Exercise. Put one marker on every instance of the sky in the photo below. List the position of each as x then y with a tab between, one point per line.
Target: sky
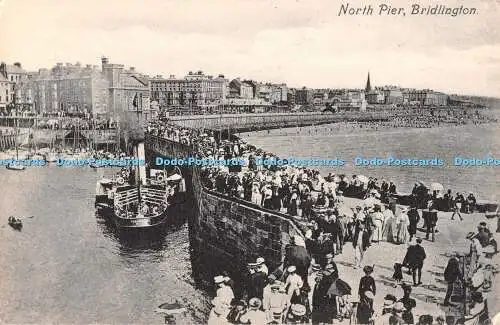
300	42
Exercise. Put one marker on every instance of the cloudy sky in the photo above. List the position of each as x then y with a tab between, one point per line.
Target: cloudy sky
301	42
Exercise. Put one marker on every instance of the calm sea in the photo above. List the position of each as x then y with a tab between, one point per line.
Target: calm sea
66	266
326	142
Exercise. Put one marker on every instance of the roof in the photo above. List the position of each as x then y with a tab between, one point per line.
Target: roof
14	69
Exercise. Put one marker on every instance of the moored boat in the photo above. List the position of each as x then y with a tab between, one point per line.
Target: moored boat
130	200
15	223
16	167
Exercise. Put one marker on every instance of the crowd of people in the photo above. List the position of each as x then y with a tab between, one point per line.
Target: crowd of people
308	287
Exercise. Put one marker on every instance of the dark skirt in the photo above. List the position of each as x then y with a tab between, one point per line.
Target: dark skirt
364	313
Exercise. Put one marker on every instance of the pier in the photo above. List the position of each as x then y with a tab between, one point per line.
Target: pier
226	229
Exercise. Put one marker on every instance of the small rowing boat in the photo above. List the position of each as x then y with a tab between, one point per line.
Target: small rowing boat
15	223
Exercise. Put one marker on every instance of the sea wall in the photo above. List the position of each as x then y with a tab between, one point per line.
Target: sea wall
226	233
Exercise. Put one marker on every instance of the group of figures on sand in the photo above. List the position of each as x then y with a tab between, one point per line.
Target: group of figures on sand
395	226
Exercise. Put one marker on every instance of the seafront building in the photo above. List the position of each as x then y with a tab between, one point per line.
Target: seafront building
76	89
111	88
10	76
194	90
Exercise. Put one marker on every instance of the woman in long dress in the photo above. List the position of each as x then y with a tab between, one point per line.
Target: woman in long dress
388	226
378	222
403	222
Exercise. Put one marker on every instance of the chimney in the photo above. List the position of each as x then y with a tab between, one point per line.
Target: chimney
104	60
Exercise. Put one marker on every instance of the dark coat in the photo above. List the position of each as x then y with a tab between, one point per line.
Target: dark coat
367	283
321	302
414	218
415	256
258	281
298	256
452	271
364	311
365	240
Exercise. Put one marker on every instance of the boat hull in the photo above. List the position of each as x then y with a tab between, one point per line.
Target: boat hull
106	210
16	167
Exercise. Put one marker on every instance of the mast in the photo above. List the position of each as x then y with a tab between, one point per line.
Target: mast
16	130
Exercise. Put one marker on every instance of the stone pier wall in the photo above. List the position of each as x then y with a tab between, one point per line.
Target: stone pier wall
226	233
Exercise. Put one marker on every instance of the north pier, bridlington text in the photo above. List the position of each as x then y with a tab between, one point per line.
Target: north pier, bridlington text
415	9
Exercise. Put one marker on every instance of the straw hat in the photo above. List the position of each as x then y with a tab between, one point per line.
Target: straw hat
399	307
218	279
368	269
369	294
254	303
260	261
291	269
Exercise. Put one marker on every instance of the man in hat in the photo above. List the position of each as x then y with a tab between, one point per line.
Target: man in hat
257	281
361	241
415	256
413	218
456	206
389	301
261	266
321	302
314	274
331	262
451	274
359	215
254	315
431	222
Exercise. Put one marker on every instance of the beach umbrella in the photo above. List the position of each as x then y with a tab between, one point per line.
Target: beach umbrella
437	187
362	179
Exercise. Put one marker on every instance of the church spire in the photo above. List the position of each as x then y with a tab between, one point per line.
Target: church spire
368	87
